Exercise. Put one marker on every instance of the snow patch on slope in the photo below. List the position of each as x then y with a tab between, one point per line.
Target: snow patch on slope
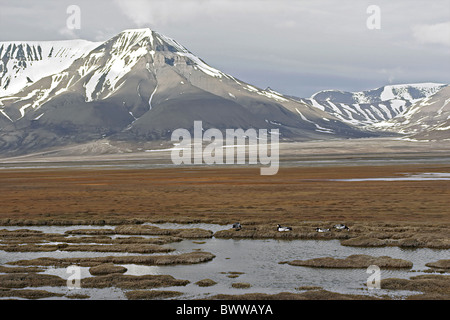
23	63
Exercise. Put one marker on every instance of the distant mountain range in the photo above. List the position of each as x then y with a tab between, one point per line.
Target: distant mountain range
420	111
141	85
372	106
425	119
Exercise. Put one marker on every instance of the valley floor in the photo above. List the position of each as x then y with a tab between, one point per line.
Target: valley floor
320	187
224	194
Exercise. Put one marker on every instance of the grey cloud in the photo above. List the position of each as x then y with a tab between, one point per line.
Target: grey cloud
295	47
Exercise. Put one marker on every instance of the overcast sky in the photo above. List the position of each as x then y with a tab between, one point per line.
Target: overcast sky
296	47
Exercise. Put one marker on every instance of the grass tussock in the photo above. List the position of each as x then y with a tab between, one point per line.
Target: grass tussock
206	283
364	242
132	282
431	286
89	232
107	268
29	294
307	288
241	285
190	233
151	294
4	269
308	295
269	232
77	296
353	261
440	264
22	280
233	274
184	258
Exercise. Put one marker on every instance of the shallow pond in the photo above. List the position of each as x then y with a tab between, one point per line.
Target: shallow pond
256	261
426	176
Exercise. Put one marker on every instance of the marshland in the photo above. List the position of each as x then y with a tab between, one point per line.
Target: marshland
165	233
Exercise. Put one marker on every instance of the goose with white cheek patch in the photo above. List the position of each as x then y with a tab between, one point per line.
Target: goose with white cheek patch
282	229
322	230
341	227
237	226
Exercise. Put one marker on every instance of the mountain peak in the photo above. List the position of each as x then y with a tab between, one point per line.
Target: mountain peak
136	33
138	30
129	37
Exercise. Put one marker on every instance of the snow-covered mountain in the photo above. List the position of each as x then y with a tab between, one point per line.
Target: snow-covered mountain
370	107
426	119
141	85
23	63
